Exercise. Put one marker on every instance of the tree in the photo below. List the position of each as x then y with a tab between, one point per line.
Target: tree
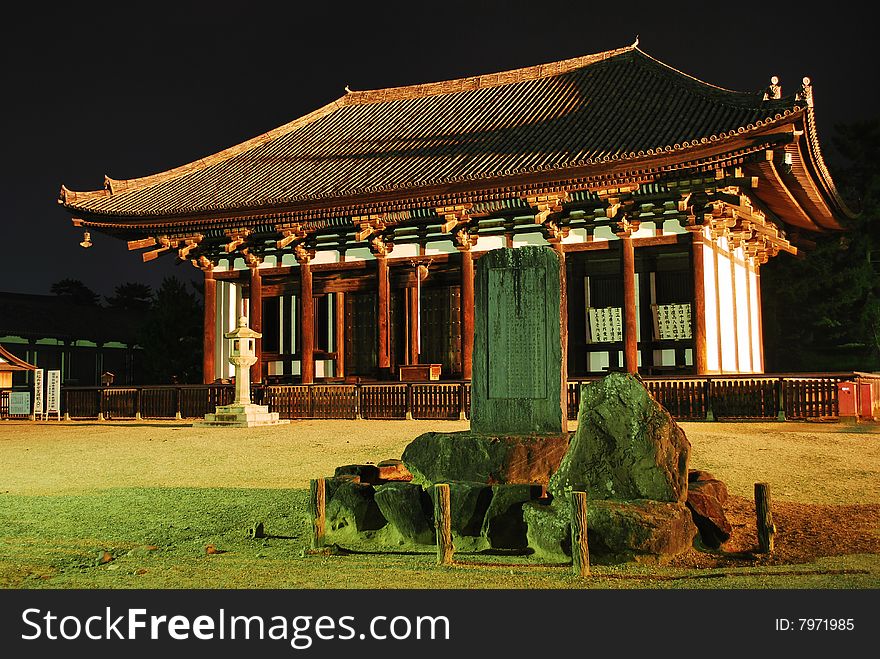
131	296
172	335
76	291
822	312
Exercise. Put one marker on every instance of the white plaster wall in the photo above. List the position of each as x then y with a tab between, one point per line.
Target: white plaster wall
407	250
757	339
359	254
529	239
725	303
439	247
486	243
742	314
575	236
712	364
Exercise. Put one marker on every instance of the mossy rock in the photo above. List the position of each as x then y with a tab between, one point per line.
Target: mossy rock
503	525
409	509
617	531
351	510
626	447
441	457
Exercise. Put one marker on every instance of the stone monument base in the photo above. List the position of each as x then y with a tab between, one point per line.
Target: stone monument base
241	416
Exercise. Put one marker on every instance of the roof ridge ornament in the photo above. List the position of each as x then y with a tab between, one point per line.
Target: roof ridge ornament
774	91
635	44
806	92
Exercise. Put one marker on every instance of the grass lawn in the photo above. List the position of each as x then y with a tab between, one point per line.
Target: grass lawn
136	505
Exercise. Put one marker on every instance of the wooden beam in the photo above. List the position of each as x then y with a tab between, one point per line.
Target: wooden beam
307	323
630	320
699	317
140	244
339	334
467	314
384	356
256	322
210	328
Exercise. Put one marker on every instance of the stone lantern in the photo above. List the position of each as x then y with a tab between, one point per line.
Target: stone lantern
243	356
242	413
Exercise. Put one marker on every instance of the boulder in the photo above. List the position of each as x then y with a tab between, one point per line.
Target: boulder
409	511
350	510
706	501
365	473
617	531
393	470
468	505
626	447
503	525
437	457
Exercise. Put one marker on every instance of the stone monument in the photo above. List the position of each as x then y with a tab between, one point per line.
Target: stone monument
242	413
511	475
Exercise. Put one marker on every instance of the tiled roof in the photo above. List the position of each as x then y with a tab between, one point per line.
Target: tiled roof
58	317
612	106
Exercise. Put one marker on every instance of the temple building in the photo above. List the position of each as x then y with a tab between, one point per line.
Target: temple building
82	341
348	236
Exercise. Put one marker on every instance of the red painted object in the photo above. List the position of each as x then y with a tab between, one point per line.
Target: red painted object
846	400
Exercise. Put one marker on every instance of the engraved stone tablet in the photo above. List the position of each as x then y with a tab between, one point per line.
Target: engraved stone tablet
518	382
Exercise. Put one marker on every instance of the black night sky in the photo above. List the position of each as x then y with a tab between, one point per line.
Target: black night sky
132	89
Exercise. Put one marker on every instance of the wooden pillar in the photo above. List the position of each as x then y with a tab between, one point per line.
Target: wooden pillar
339	299
307	322
209	344
563	328
467	314
630	320
413	317
699	316
384	356
256	322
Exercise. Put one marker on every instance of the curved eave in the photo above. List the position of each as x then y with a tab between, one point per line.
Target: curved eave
809	166
773	191
635	168
9	362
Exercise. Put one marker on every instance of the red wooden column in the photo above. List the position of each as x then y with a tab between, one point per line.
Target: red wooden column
467	313
563	316
307	320
630	319
210	327
339	334
384	301
256	322
413	317
700	360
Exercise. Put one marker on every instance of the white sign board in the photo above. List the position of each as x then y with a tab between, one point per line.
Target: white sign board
53	393
19	403
672	321
38	391
606	324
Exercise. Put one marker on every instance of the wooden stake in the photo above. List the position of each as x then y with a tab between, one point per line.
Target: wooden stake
766	528
580	550
443	524
317	505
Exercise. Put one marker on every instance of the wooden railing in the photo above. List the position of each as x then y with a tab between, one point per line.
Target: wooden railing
783	396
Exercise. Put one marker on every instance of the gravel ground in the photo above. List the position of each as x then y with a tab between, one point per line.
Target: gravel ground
813	463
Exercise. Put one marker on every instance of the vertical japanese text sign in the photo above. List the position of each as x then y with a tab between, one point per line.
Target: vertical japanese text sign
53	393
38	391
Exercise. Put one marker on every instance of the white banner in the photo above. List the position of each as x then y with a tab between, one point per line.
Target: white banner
606	324
38	391
53	392
672	321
